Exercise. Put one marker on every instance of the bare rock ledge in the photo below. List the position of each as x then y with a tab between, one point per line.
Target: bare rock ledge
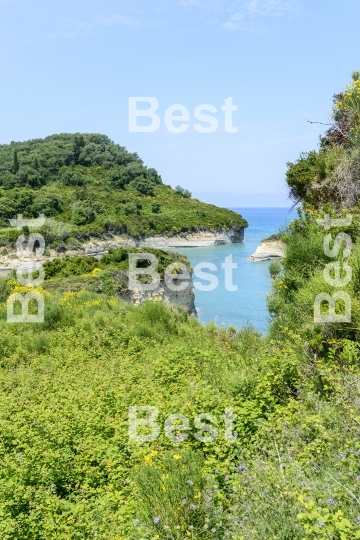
196	239
99	246
268	249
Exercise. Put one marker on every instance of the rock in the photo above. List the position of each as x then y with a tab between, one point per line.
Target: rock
268	249
185	299
99	246
197	239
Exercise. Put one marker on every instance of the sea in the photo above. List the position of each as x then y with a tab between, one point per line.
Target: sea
247	305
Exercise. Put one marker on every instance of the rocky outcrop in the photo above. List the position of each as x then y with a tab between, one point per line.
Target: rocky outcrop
185	299
268	249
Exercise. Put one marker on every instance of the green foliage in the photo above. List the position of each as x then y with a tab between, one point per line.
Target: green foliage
331	175
303	172
67	466
96	187
183	192
69	266
320	523
275	268
16	165
130	208
310	177
304	248
83	215
171	491
302	280
155	207
145	186
115	259
347	106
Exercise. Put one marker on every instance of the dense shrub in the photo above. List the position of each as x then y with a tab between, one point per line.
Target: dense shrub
144	186
183	192
155	207
117	259
83	215
130	208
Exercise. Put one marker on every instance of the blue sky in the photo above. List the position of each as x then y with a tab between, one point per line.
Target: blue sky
71	66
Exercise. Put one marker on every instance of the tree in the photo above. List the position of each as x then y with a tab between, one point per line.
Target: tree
155	207
130	208
79	143
83	215
16	165
345	127
183	192
144	186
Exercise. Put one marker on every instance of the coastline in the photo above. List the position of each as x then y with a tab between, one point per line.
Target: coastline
97	247
197	239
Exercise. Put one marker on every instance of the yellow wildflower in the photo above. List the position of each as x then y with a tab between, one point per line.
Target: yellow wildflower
148	460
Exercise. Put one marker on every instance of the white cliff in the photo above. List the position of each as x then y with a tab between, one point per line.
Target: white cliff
268	249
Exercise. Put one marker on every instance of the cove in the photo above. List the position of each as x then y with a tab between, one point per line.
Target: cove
247	305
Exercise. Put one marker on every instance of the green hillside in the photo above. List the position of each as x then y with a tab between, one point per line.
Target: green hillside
96	187
288	468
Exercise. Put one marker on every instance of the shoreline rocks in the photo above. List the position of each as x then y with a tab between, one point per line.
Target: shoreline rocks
269	249
197	239
97	247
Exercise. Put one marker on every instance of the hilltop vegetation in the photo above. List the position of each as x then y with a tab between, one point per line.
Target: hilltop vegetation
95	187
67	467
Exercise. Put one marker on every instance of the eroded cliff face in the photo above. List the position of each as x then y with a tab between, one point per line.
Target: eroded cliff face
197	239
99	246
268	249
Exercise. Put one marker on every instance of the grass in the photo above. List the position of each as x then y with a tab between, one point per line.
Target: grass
68	469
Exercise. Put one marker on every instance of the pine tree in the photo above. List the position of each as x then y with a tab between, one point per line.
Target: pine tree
16	162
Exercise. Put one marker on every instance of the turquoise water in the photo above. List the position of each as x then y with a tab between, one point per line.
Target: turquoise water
247	305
